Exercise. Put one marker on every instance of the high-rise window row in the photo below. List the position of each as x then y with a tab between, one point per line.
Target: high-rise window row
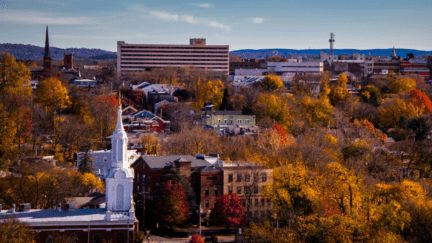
136	57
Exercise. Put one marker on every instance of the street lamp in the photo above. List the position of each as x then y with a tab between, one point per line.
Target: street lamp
148	235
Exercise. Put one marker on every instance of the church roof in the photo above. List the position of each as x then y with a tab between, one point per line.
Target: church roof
52	216
47	52
165	162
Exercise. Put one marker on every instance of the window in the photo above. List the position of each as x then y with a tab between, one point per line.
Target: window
207	204
138	177
256	202
239	190
49	239
96	238
268	202
138	188
211	178
239	177
231	121
119	238
216	191
256	178
247	189
105	159
207	191
74	238
256	190
219	121
264	177
247	121
255	214
247	178
244	202
230	190
230	178
225	121
143	178
262	202
239	121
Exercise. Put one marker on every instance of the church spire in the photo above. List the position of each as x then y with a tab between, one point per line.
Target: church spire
394	53
47	56
47	52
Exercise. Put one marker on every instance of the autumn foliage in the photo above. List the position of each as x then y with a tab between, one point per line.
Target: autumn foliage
196	239
420	101
173	208
228	211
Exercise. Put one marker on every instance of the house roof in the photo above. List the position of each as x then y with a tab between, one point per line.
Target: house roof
221	113
166	162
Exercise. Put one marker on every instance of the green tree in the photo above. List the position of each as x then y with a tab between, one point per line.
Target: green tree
372	95
271	83
226	101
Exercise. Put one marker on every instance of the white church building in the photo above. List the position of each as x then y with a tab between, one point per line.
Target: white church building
115	223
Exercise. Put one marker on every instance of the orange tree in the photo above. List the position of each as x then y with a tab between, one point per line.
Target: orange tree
173	208
228	211
196	239
421	101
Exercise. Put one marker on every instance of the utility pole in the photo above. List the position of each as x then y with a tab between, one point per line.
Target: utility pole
200	219
331	43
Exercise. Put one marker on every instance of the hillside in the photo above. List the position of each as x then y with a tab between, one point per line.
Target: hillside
262	53
31	52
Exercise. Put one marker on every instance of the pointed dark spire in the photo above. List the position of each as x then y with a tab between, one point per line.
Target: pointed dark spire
47	52
393	53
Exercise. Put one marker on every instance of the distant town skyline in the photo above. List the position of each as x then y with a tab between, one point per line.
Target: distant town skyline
240	24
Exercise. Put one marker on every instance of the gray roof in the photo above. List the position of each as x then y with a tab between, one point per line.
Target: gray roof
165	162
53	216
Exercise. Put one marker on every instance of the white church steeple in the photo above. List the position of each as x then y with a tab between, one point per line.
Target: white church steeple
119	181
119	143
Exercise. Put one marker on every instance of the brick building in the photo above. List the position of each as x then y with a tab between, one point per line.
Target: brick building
415	67
248	181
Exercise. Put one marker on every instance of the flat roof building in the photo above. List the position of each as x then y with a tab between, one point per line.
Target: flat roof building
140	57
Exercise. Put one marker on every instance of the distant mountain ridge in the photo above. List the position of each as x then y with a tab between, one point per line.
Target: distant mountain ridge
283	52
21	51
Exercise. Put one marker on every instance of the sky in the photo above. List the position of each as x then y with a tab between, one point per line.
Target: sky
290	24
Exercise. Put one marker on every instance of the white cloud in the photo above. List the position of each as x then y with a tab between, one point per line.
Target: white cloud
257	20
164	15
219	25
205	5
190	19
29	17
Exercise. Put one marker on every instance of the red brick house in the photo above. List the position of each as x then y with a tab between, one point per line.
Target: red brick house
415	67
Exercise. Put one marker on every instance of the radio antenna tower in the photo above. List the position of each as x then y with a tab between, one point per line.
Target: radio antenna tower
331	43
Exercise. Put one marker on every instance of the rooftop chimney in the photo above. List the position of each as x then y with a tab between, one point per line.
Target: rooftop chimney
59	207
13	207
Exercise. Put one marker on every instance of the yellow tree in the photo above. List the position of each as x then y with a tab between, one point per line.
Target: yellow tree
391	115
274	107
14	77
14	231
271	83
339	92
52	94
150	144
318	112
211	91
402	84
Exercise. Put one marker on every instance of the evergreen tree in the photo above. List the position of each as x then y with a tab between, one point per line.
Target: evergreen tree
226	101
86	165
